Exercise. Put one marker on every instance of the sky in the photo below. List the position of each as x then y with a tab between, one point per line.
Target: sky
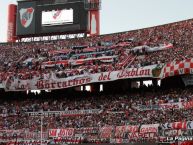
125	15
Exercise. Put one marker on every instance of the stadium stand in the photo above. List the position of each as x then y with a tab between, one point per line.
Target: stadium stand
115	110
100	53
96	116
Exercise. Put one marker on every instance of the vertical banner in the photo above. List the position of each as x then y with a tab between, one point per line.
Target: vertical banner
11	30
94	22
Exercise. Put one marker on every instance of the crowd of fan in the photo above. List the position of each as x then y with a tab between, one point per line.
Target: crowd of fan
29	59
115	110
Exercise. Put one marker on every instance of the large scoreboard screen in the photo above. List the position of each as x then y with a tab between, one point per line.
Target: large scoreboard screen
47	17
57	17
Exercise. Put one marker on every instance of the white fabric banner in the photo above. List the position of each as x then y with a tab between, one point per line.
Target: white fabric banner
165	106
11	84
151	128
152	49
65	113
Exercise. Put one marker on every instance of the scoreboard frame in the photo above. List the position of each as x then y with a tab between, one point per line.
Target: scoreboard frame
24	21
35	28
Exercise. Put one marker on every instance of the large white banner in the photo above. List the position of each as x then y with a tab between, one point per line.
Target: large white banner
52	81
152	49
